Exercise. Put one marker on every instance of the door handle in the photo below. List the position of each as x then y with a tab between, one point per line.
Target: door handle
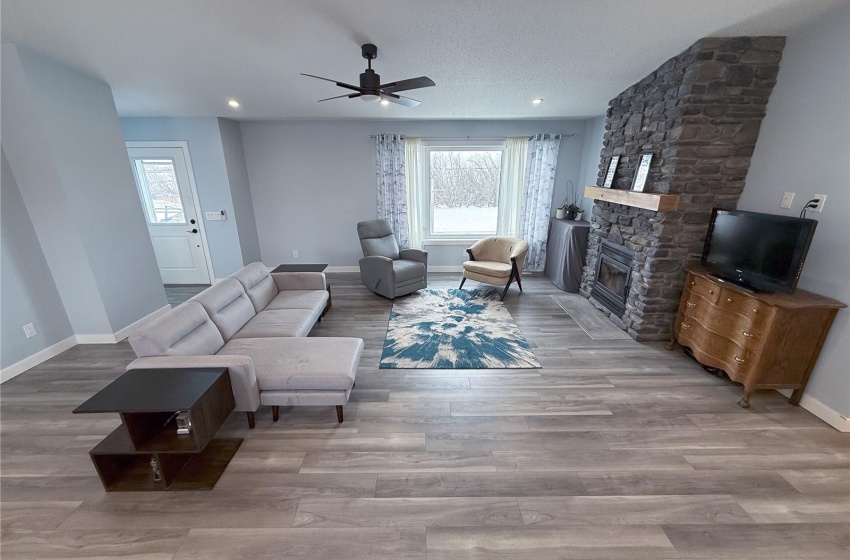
195	230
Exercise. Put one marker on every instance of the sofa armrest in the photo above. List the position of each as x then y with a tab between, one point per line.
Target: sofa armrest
299	281
243	379
417	255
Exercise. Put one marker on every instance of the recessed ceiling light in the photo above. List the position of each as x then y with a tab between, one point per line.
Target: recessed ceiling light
384	102
537	101
233	103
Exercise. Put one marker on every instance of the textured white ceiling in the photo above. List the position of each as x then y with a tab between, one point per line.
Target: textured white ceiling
489	58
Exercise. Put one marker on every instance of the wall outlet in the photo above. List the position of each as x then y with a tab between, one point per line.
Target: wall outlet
29	330
821	198
787	199
295	254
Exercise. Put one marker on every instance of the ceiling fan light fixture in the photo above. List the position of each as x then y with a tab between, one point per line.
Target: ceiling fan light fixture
233	103
385	102
536	101
370	97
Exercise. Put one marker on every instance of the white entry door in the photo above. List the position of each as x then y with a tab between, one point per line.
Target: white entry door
162	177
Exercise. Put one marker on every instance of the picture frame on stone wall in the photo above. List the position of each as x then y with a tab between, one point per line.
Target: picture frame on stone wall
642	172
612	170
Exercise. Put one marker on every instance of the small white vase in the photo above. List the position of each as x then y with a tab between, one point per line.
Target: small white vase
560	213
579	216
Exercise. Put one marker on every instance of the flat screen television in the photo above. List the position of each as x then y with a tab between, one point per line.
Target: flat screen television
763	252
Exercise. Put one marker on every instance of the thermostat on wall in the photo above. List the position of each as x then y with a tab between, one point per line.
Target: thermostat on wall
215	216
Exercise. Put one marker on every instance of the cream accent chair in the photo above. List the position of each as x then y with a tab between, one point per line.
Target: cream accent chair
497	261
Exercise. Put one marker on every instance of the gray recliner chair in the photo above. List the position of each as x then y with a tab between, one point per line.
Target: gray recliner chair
384	268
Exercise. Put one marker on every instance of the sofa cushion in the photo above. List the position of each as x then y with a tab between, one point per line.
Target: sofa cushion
258	284
407	271
279	322
489	268
186	330
299	299
228	306
300	364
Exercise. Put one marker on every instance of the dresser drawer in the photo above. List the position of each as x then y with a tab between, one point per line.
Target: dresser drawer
739	328
735	302
714	350
701	287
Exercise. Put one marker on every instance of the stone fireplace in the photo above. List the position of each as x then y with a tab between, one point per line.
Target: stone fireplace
699	114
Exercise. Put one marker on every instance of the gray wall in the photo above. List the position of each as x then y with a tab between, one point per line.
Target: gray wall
63	142
28	293
804	147
205	150
312	181
594	135
240	193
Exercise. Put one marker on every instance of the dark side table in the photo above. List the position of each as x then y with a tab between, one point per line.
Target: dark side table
308	268
145	452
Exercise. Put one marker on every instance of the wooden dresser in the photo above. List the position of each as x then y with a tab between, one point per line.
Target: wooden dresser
764	341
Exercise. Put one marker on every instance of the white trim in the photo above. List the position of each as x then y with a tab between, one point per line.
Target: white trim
831	417
342	269
217	280
184	146
96	339
20	367
445	269
448	241
136	325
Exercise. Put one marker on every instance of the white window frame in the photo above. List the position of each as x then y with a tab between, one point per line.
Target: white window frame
429	146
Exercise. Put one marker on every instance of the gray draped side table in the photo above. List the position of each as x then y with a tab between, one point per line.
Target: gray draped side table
565	253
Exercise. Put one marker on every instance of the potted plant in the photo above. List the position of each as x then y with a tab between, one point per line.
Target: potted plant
570	208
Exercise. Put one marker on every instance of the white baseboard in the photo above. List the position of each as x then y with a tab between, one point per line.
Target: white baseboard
456	268
18	368
56	349
342	269
831	417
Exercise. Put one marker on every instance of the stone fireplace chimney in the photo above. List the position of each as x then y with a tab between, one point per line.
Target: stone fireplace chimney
699	114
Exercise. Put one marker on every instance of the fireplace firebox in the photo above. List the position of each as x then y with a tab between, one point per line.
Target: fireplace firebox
613	276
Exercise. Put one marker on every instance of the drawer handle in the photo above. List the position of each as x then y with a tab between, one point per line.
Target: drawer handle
755	310
685	326
739	360
728	300
747	334
693	283
691	304
711	291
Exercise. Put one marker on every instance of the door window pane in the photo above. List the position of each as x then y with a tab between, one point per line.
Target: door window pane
158	182
464	191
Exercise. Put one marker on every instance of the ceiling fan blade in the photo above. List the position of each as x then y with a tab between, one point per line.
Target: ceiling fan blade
340	96
400	99
340	84
404	85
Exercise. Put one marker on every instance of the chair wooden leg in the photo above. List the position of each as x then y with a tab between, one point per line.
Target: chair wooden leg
250	420
462	280
508	285
339	414
275	413
519	283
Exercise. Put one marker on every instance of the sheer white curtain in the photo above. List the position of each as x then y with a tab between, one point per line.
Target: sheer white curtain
510	187
537	197
392	185
415	190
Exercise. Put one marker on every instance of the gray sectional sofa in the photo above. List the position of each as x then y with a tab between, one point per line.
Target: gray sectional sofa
254	324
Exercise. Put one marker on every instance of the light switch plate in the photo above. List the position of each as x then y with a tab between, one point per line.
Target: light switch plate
212	216
787	199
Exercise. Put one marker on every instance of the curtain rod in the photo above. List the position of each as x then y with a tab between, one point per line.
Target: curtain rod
471	137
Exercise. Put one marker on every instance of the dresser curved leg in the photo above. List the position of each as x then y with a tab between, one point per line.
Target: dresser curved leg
672	345
745	400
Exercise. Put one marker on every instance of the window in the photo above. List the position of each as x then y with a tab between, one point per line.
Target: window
158	184
463	189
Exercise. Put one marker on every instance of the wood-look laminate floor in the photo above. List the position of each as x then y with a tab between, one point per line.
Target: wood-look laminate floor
614	450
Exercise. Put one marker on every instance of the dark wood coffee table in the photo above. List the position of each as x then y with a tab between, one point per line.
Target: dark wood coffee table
308	268
147	439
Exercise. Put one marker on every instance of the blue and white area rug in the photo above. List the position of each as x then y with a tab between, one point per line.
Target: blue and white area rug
454	329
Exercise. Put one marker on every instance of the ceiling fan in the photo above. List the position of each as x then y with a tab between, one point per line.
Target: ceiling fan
371	88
